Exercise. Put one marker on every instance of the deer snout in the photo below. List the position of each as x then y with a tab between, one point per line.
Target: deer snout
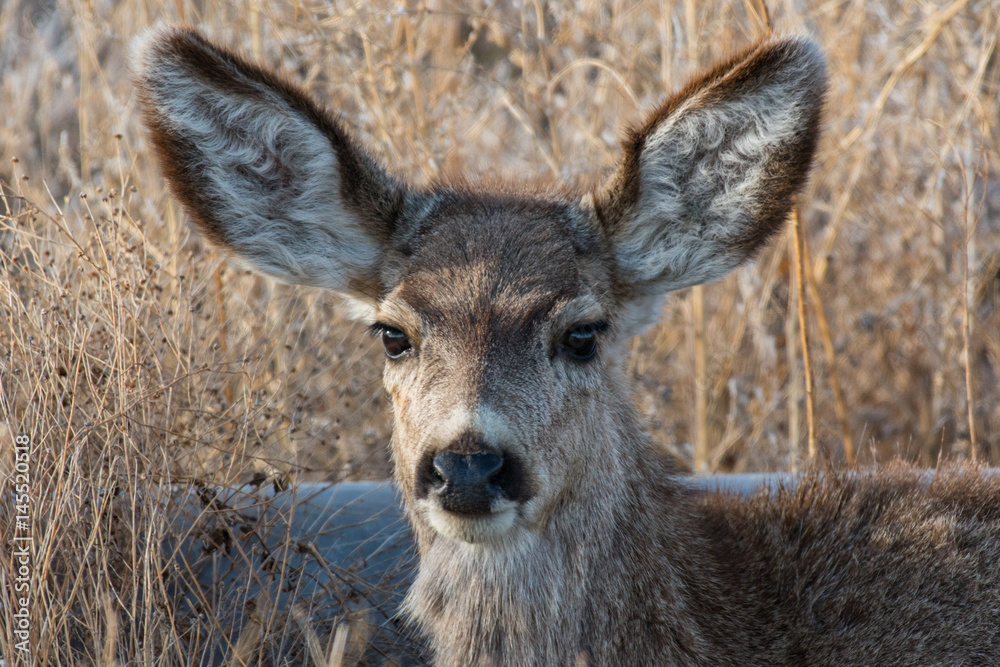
466	483
469	482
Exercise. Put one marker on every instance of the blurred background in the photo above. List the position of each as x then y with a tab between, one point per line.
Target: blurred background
133	353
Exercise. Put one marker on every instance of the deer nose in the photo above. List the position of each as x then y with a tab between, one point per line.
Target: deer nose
467	483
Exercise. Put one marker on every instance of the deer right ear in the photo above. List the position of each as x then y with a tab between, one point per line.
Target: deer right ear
709	178
261	168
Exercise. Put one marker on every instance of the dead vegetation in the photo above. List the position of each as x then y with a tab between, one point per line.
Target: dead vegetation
133	356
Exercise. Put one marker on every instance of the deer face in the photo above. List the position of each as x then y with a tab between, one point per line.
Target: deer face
498	337
503	315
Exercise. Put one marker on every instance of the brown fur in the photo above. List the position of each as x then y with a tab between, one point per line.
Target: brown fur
882	569
585	547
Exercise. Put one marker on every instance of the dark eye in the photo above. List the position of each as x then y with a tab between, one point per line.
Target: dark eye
580	342
396	342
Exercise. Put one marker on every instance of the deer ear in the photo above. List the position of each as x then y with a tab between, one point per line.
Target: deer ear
710	176
261	168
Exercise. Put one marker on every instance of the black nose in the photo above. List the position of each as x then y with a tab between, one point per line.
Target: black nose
467	483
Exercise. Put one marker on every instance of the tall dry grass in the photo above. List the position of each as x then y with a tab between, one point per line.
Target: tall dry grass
134	356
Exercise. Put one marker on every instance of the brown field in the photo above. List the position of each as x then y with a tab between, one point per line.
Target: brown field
133	355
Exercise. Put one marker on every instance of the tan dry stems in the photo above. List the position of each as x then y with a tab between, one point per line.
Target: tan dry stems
839	406
798	258
134	354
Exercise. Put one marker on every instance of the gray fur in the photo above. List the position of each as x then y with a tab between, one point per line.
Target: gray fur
704	165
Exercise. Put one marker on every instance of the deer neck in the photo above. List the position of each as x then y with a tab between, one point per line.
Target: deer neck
534	597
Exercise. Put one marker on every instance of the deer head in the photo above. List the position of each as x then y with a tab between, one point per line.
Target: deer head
504	314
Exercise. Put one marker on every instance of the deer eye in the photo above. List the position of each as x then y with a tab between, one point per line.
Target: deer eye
580	342
395	341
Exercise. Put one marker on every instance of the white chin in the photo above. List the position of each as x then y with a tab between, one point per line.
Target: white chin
475	530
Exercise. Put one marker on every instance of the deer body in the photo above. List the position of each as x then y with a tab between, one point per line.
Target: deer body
879	570
551	531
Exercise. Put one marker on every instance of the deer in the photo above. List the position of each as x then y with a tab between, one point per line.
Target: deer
550	528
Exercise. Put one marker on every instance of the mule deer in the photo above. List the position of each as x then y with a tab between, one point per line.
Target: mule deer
551	530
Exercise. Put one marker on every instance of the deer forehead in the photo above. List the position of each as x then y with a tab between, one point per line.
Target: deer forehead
491	271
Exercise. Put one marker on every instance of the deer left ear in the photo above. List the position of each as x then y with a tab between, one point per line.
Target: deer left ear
264	170
710	176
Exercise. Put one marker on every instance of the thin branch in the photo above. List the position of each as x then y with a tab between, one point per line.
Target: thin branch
804	333
792	364
701	454
839	404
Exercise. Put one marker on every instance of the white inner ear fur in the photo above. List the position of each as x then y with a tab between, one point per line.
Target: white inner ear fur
701	178
642	312
271	174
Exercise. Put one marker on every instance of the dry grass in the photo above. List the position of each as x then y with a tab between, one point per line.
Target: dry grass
134	356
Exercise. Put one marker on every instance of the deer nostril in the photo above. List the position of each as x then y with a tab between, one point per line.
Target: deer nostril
491	465
498	476
437	477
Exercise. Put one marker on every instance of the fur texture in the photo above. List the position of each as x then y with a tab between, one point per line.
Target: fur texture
263	169
589	550
709	177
